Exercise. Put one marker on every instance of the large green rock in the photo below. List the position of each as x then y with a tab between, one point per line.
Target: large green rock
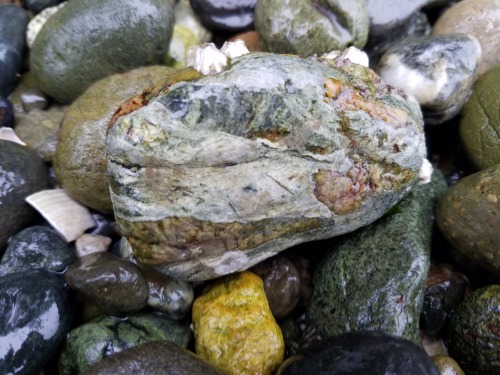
480	122
221	172
91	39
310	27
374	279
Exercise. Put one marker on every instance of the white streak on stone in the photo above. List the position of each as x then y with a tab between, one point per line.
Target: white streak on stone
8	134
68	217
234	49
36	24
425	173
206	59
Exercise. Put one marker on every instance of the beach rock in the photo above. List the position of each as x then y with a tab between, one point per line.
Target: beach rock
310	27
10	65
37	22
13	22
106	336
37	247
220	172
36	316
447	365
473	335
363	353
114	285
153	358
80	161
234	329
22	173
374	279
6	113
88	40
468	216
437	70
480	19
225	15
480	122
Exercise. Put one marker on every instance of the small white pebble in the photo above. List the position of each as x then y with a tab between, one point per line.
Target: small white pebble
35	25
91	243
206	59
353	54
425	173
234	49
8	134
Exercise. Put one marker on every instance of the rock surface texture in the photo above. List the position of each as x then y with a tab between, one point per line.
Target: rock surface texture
218	173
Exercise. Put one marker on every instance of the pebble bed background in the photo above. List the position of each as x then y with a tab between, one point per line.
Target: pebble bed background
415	292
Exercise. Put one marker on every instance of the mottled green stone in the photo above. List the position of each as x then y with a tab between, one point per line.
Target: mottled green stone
474	337
374	279
480	122
108	335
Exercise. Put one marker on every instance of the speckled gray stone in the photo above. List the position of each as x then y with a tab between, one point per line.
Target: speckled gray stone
221	172
375	278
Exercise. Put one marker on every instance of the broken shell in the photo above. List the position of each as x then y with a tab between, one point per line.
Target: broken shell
352	54
68	217
425	172
234	49
91	243
206	59
8	134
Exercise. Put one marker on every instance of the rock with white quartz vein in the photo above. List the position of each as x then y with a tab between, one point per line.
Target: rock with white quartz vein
216	173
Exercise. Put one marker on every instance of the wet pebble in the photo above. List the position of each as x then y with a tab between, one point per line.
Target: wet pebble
6	113
37	247
114	285
233	15
35	307
10	65
106	336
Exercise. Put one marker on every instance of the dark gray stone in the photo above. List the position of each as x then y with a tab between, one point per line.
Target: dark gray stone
229	15
10	65
37	247
6	113
374	279
35	307
36	6
13	22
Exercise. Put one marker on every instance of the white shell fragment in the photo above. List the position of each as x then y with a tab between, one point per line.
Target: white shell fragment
206	59
234	49
36	24
353	54
8	134
68	217
91	243
425	173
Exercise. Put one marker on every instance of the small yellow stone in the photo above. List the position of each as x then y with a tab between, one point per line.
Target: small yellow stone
234	328
447	365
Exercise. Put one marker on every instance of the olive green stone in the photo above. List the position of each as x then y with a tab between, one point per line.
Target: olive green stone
310	27
91	39
106	336
80	161
374	279
474	340
468	215
480	122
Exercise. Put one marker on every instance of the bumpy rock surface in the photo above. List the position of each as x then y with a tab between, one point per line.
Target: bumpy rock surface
234	328
310	27
88	40
221	172
374	280
80	162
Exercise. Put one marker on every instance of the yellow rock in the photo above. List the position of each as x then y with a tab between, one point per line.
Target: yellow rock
234	328
447	365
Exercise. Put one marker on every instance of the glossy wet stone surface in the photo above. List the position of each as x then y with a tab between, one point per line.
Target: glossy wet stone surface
36	315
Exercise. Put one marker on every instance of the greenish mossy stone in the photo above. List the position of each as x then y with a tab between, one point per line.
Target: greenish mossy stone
468	216
106	336
153	358
80	162
374	279
88	40
480	122
310	27
218	173
36	312
474	339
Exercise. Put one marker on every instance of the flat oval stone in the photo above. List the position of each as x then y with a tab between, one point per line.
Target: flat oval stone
310	27
35	307
363	353
88	40
22	173
106	336
37	247
216	174
153	358
473	335
113	284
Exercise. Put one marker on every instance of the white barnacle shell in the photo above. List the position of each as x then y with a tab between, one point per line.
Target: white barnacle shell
206	59
425	172
36	24
234	49
352	54
8	134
